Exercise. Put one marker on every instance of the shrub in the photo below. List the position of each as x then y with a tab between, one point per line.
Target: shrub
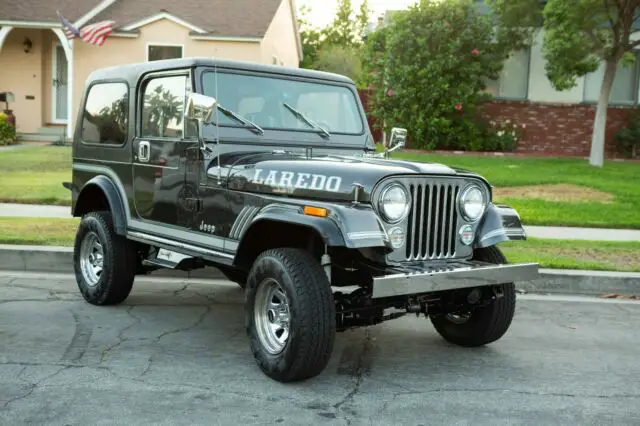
428	69
628	138
502	136
7	131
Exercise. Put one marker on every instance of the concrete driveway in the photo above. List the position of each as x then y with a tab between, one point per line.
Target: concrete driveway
177	354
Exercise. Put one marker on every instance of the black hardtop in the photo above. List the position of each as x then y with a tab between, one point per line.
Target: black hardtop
132	72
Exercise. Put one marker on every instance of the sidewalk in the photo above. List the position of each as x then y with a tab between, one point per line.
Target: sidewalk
551	232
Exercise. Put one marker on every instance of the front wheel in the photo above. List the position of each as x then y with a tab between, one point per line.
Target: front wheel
290	315
485	324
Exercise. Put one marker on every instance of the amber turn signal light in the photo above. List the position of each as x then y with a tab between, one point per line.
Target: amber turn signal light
315	211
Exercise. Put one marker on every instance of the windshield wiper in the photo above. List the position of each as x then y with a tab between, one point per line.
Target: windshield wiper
308	121
241	119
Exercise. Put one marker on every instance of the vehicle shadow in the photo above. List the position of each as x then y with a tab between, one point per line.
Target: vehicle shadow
201	323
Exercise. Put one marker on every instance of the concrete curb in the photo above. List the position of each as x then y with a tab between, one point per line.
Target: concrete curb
60	260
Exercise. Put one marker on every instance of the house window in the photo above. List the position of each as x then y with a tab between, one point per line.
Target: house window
163	108
624	90
104	119
513	82
157	52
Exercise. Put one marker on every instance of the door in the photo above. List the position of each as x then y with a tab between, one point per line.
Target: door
60	110
162	151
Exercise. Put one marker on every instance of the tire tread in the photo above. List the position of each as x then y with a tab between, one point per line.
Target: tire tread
316	316
121	253
495	318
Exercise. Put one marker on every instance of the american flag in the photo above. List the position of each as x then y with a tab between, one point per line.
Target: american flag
93	34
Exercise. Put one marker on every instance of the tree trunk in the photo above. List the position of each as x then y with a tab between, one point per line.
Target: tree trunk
600	123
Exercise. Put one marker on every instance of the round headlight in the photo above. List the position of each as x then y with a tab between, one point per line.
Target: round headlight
472	203
394	203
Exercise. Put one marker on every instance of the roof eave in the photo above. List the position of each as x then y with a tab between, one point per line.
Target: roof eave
104	4
296	29
219	37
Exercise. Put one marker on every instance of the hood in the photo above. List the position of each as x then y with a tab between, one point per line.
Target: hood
321	177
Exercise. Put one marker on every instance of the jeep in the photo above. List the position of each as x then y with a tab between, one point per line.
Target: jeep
271	175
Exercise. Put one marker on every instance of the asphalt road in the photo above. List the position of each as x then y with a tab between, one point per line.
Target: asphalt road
177	354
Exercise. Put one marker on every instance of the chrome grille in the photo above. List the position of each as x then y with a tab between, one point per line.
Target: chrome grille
432	221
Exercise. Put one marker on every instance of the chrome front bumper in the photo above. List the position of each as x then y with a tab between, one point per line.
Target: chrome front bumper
451	277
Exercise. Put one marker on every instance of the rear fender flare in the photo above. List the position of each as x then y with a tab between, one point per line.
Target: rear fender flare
116	204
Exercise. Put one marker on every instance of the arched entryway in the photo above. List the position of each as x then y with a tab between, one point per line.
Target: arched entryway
36	64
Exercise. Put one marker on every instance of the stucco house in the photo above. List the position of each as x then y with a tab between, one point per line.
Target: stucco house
46	72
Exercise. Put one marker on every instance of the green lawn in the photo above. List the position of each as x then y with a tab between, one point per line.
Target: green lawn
610	196
48	232
619	181
35	175
593	255
570	254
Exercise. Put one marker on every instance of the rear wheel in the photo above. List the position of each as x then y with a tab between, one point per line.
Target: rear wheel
104	262
290	315
482	325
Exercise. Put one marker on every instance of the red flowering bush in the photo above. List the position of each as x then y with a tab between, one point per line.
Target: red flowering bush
7	131
428	69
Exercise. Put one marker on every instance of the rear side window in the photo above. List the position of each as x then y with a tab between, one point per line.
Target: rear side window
105	116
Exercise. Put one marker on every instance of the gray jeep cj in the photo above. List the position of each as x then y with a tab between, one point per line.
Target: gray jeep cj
270	175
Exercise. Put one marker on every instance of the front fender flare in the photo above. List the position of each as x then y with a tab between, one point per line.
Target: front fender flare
500	223
345	226
116	204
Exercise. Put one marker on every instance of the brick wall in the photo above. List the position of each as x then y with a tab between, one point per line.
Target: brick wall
557	129
365	94
550	129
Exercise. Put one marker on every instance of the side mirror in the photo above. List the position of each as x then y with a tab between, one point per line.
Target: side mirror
396	141
200	107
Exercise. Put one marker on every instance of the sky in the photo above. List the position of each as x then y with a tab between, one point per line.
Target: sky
323	11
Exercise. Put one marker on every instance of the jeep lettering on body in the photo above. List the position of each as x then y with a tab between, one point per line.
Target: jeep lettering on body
270	175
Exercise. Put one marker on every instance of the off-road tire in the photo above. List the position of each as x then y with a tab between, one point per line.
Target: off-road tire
488	323
312	325
119	261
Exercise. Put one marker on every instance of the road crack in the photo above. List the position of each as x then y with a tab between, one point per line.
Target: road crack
80	341
183	329
199	321
180	290
358	365
31	387
121	339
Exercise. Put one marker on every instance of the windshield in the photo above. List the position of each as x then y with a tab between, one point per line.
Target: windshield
264	100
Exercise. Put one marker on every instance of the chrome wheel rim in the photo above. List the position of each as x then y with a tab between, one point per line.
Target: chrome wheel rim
91	259
271	316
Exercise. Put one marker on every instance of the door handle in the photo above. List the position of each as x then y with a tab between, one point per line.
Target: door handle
143	151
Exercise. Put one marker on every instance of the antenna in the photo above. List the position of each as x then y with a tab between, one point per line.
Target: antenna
215	76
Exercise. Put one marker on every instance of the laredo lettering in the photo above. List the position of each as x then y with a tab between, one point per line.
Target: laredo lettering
294	180
302	180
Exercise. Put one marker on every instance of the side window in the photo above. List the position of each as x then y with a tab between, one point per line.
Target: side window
163	106
105	115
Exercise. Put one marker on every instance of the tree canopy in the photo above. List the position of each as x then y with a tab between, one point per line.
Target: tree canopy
428	68
335	48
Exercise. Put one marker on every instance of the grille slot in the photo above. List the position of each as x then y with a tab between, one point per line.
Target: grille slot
432	220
